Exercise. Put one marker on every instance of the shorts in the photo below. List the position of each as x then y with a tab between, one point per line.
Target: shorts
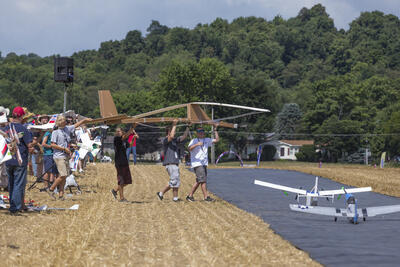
123	175
49	164
62	166
201	174
174	178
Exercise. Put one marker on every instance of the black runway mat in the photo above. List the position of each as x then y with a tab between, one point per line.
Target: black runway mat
375	242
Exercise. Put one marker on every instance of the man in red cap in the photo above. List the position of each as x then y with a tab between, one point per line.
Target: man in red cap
17	166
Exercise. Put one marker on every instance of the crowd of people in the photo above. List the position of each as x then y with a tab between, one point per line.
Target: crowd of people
45	153
48	154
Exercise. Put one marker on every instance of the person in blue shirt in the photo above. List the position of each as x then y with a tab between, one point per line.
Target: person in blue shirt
17	167
49	165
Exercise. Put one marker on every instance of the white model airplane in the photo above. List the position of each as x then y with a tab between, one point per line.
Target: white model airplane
45	127
351	212
45	207
87	146
313	195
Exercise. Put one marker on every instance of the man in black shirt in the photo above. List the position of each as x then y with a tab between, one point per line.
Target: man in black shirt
171	160
121	163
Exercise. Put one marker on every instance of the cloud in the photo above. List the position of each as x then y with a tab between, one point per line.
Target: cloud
47	27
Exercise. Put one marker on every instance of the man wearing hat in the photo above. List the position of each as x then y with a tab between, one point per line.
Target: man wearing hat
198	148
17	170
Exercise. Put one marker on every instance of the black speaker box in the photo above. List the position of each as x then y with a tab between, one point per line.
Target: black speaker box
63	69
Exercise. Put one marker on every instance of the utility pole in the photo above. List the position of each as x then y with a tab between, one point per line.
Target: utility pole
212	137
65	98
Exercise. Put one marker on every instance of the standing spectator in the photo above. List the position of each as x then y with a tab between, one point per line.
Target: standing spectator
121	163
198	148
49	164
132	146
171	160
60	143
16	170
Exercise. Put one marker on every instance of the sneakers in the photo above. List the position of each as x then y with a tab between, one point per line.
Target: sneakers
191	199
114	193
124	200
176	200
160	196
209	199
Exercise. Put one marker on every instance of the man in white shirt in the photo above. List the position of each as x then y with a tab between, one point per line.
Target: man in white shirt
198	148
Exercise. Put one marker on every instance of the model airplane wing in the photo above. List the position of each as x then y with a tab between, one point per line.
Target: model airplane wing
281	187
344	191
74	207
381	210
45	127
328	211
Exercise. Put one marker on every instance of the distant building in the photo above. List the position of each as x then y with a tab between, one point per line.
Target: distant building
287	149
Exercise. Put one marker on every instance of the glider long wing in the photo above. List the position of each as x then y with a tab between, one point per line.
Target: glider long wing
328	211
380	210
344	191
281	187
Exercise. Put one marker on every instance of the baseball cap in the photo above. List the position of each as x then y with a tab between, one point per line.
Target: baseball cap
18	112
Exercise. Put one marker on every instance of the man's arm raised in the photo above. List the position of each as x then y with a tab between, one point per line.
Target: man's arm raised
216	133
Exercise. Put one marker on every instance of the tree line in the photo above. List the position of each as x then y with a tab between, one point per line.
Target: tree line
318	81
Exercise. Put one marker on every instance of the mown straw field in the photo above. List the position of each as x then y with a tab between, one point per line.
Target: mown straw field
143	232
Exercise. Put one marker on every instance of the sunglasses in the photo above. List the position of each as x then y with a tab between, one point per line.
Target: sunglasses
200	131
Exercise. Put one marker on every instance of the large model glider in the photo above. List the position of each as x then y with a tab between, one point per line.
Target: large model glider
195	114
351	211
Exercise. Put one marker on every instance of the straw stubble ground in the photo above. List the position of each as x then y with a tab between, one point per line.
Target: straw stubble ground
143	232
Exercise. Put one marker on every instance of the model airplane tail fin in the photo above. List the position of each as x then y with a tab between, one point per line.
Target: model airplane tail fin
107	105
74	207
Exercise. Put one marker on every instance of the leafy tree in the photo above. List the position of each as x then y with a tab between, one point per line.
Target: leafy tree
288	119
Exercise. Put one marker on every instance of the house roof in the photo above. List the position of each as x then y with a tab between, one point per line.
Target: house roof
298	142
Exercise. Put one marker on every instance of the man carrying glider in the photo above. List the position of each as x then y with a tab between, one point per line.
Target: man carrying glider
198	148
171	160
121	163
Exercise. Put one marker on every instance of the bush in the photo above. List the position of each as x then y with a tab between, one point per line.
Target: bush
307	153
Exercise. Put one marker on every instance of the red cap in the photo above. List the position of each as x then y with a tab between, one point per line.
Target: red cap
18	112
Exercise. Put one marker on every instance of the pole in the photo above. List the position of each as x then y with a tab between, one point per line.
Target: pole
65	98
212	137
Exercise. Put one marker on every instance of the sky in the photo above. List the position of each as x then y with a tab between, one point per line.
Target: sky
48	27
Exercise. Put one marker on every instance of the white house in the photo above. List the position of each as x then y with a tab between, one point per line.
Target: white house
287	149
